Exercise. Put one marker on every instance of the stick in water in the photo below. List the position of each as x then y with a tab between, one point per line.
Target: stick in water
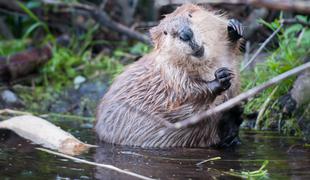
110	167
236	100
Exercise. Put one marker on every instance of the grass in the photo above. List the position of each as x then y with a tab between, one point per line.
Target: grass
78	58
292	49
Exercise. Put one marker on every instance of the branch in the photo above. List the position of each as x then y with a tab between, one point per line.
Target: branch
23	63
236	100
106	166
261	47
283	21
94	12
11	111
287	5
103	19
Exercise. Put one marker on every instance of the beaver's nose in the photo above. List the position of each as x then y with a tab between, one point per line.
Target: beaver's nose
186	34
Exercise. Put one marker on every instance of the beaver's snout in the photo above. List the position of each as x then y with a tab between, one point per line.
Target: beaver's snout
186	34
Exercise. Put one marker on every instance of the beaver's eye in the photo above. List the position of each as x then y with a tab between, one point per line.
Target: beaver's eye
165	32
190	15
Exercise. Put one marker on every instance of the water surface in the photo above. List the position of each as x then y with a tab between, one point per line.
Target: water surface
288	159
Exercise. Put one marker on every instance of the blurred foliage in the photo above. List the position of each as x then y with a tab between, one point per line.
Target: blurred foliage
293	49
8	47
76	58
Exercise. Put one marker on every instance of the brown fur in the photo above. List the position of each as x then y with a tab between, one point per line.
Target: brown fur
169	84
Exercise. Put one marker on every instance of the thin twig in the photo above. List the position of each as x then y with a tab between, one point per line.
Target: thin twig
236	100
283	21
106	166
15	112
68	116
261	47
10	111
207	160
263	109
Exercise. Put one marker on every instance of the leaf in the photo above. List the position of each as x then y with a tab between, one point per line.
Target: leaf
33	4
32	15
31	29
292	29
28	11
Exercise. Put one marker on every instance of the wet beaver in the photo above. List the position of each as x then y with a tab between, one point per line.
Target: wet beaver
193	67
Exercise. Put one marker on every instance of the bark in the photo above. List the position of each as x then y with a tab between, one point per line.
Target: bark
46	134
23	63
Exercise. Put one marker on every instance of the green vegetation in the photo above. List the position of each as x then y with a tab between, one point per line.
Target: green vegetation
76	58
261	173
292	49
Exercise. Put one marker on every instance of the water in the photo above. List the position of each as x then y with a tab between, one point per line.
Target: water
288	159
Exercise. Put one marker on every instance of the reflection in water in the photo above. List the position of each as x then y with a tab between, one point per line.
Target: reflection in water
173	163
288	159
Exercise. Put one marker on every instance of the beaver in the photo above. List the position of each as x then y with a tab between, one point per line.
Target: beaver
193	67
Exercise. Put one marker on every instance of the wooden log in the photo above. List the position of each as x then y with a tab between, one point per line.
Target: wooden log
23	63
46	134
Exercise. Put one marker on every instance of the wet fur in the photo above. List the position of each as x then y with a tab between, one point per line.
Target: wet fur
169	85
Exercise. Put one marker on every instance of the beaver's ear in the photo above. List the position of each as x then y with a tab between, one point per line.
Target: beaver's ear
156	35
235	30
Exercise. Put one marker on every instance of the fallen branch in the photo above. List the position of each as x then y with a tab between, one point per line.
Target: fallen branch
236	100
42	132
23	63
106	166
103	19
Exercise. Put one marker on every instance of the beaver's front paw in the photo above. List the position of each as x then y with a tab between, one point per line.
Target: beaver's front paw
223	76
235	30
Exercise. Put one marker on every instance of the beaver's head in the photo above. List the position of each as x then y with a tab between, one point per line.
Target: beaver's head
191	31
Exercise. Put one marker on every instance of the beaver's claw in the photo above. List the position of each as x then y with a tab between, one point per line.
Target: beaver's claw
235	30
221	82
223	76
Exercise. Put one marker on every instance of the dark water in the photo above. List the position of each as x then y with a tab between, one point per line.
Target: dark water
288	159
